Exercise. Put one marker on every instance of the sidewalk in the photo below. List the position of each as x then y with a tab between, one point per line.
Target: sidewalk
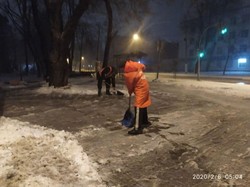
10	81
232	77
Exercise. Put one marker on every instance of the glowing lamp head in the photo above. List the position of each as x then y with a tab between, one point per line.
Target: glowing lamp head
201	54
135	37
224	30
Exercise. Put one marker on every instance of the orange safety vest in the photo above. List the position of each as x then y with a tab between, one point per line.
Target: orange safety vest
107	74
136	83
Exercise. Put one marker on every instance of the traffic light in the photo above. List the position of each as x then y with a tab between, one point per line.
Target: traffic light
201	54
223	30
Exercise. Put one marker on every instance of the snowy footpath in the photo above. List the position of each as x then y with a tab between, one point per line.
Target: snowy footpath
70	137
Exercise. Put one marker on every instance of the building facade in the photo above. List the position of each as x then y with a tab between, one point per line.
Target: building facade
228	51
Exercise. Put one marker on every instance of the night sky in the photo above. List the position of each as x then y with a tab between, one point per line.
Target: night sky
166	18
162	23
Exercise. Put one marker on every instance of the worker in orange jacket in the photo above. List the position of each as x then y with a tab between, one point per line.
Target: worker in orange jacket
136	83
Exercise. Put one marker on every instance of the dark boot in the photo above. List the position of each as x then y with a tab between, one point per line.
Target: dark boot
135	131
138	129
99	92
108	92
146	125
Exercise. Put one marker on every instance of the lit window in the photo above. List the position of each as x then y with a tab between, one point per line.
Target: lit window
242	62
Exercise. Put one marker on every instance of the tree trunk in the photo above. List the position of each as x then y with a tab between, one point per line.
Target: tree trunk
44	39
61	39
71	53
60	73
26	58
109	33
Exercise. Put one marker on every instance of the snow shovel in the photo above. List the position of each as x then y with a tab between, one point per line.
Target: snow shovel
117	92
128	118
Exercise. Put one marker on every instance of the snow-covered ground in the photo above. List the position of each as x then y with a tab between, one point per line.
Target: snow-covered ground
37	156
32	155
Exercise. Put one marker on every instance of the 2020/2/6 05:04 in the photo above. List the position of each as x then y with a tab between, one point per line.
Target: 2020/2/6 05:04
216	176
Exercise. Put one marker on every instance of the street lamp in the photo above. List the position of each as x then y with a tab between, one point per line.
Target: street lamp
223	31
142	29
201	53
159	45
136	37
80	65
159	49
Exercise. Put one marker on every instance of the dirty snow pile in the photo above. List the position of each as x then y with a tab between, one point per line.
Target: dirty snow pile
68	90
37	156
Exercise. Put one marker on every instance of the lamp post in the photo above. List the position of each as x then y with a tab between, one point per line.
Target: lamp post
159	45
80	64
159	48
198	50
199	64
136	39
201	53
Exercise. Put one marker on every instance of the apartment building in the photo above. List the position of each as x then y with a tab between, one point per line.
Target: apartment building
229	51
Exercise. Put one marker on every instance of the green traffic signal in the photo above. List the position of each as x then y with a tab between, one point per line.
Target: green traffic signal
224	30
201	54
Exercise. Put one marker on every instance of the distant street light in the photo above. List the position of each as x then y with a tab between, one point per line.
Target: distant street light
159	49
223	31
136	37
80	65
201	53
159	44
135	40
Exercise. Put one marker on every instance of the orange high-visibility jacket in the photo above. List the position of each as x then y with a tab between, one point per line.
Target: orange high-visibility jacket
136	83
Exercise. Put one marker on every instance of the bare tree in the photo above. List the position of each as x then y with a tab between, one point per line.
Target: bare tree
56	23
7	60
20	15
109	33
206	17
61	37
42	27
127	11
